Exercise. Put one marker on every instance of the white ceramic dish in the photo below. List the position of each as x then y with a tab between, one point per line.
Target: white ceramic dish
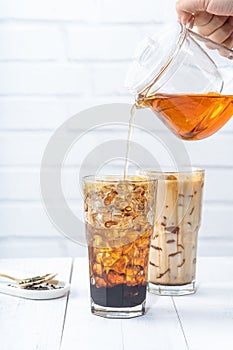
36	294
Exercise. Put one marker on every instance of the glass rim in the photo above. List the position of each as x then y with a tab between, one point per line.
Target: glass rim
191	170
137	178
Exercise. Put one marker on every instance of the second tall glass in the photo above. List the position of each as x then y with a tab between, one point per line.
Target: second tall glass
172	266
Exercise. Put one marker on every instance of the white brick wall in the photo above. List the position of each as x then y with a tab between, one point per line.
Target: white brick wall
26	78
26	42
88	10
57	58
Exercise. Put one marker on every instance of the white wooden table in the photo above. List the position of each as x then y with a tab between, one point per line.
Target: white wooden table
196	322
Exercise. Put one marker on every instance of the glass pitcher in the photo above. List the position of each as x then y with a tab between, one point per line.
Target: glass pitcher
172	74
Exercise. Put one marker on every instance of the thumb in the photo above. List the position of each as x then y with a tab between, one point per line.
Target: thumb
187	8
217	7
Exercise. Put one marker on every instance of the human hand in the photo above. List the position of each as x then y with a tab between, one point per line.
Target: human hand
212	19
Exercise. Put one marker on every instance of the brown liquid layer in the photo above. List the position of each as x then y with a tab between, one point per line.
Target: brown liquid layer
125	264
193	116
120	295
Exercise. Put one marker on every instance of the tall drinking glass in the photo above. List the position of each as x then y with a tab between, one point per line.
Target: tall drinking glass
172	265
119	216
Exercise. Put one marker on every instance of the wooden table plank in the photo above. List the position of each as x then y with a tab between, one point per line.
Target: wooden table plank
207	316
82	329
159	328
32	324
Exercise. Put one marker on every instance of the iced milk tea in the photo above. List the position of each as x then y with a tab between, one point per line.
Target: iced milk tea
172	264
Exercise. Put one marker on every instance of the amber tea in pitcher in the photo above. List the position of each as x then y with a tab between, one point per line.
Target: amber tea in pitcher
191	116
